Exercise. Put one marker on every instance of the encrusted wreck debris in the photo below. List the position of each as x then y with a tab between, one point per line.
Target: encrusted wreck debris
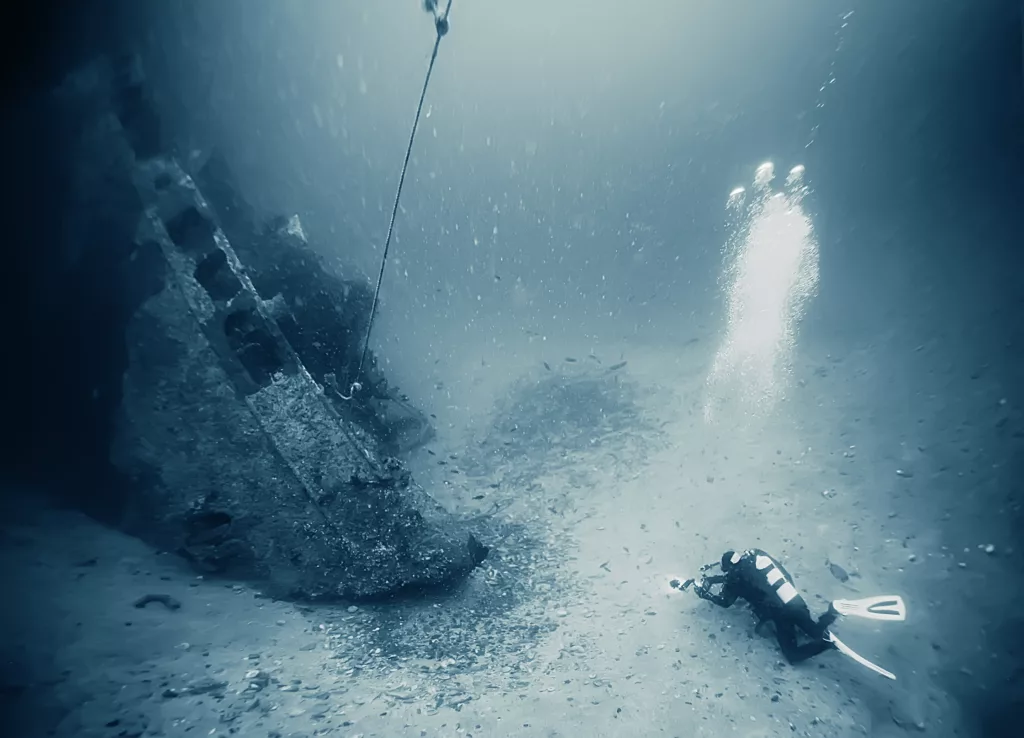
239	459
322	315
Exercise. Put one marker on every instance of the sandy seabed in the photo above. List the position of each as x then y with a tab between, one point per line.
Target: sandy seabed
595	485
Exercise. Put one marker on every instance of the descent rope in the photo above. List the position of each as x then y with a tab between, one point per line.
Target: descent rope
441	26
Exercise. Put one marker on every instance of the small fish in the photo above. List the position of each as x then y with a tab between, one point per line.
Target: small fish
431	452
478	497
433	416
616	367
570	359
591	356
605	566
497	278
547	366
838	572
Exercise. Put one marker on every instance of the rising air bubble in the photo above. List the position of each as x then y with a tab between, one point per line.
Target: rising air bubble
764	175
736	198
770	272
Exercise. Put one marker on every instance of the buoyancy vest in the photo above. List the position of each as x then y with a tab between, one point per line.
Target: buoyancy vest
758	570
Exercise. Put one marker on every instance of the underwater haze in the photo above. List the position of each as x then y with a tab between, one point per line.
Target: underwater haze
667	279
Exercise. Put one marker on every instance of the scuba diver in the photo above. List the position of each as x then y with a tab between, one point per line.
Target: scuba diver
764	583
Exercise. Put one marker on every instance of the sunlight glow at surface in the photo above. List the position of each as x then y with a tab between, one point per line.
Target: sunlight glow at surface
771	270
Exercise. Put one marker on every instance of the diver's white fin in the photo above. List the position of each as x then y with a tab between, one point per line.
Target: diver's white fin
883	607
843	648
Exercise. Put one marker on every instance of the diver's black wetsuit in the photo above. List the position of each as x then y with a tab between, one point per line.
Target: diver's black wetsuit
767	586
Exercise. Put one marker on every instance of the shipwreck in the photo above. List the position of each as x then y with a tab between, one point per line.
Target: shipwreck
234	442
